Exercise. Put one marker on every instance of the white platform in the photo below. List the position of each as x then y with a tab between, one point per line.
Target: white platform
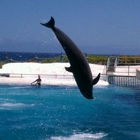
51	73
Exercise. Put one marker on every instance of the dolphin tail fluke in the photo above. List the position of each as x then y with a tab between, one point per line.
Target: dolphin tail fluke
49	24
95	81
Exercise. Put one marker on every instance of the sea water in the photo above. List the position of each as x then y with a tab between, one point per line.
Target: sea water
25	56
62	113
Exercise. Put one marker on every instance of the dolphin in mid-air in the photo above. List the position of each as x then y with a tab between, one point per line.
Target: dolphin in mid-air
79	65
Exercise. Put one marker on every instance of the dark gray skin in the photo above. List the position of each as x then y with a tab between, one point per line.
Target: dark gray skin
79	65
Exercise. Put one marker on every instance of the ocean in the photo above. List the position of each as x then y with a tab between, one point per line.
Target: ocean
25	56
62	113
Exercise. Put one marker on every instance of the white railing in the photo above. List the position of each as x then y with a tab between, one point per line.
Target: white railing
124	70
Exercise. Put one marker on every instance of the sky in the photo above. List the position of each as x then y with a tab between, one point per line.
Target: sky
95	26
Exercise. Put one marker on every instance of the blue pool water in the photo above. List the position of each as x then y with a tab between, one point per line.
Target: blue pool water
62	113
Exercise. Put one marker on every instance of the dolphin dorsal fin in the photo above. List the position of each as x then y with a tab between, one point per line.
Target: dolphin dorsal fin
69	69
95	81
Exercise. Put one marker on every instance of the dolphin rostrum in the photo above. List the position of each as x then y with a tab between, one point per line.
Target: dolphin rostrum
79	65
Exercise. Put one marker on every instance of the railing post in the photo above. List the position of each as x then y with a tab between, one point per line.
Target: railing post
86	55
128	70
118	60
61	57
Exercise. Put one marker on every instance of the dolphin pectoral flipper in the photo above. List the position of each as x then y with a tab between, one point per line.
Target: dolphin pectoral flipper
95	81
69	69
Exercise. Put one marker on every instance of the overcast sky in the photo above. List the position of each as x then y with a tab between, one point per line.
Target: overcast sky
96	26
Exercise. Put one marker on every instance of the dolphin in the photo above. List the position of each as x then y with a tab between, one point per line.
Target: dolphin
78	63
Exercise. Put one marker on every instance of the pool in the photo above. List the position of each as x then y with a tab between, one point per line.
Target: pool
62	113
